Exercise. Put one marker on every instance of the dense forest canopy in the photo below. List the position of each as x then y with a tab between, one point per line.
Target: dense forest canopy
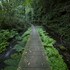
16	16
52	13
13	14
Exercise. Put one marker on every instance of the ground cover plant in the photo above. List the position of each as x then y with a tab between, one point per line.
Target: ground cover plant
55	59
5	35
13	61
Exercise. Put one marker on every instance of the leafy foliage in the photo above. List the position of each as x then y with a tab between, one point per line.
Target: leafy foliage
54	15
23	39
46	39
12	14
4	36
55	59
18	48
13	62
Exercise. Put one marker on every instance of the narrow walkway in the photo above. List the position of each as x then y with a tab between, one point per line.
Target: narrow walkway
33	57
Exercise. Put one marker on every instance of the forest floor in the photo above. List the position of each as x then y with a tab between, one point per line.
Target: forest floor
33	57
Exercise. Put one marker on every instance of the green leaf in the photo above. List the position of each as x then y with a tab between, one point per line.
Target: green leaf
18	48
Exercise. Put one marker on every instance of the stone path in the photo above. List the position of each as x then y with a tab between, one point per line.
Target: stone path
33	57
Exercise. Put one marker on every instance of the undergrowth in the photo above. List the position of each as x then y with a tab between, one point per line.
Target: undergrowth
5	35
55	59
13	61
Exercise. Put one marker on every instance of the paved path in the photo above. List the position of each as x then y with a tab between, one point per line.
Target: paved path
33	57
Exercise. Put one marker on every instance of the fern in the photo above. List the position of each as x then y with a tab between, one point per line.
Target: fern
5	35
55	59
12	63
18	48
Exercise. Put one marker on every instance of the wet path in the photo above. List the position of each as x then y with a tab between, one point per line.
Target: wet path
33	57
